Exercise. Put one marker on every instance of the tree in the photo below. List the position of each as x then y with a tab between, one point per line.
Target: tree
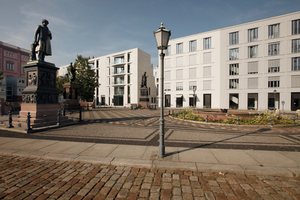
86	79
1	76
59	83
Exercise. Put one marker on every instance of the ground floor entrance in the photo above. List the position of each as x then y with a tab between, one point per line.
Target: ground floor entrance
252	101
206	100
295	101
168	100
234	101
179	102
273	101
118	100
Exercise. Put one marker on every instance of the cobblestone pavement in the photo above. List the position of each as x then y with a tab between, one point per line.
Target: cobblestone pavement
32	178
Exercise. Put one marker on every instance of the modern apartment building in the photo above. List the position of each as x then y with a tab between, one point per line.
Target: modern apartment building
254	65
12	58
120	77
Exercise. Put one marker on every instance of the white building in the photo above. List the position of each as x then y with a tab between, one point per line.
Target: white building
245	66
120	76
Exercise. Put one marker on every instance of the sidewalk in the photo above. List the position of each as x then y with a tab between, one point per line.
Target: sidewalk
248	162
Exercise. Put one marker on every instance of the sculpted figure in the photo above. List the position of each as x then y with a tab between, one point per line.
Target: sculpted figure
71	73
144	80
42	37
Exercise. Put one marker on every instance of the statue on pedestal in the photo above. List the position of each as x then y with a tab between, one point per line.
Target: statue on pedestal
41	43
144	80
71	73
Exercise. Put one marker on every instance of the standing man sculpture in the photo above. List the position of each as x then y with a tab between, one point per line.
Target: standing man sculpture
42	37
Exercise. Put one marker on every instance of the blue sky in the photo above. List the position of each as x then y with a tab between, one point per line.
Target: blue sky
101	27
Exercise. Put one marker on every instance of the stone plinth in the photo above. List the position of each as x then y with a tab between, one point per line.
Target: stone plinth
70	96
144	99
40	97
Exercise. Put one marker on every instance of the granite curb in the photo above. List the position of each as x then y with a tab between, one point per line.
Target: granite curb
160	164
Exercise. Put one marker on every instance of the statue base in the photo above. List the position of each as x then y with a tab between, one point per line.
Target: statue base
70	101
40	97
144	99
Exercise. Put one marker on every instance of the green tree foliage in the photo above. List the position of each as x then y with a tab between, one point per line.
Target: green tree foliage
1	76
86	79
59	83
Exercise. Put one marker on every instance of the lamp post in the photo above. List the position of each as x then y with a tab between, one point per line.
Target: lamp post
274	99
194	90
162	37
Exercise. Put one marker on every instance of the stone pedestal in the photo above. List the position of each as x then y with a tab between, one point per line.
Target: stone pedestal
40	97
144	99
71	96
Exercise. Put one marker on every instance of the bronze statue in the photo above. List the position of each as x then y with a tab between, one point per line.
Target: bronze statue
71	73
144	80
41	44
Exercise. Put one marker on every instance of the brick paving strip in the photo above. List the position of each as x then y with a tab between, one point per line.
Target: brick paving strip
36	178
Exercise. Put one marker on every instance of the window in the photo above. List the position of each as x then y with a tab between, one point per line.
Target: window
179	61
179	48
128	79
179	86
207	43
10	66
295	81
274	31
252	83
252	34
234	54
193	59
274	49
234	69
167	86
273	81
118	60
179	74
296	27
233	38
167	75
128	58
273	66
233	83
168	50
207	71
296	64
193	45
128	69
167	63
207	85
296	46
192	73
253	51
192	85
253	67
207	57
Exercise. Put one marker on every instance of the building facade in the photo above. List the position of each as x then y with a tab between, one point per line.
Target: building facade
249	66
120	78
12	58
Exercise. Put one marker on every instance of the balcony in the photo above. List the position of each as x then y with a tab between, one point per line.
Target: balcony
118	72
118	83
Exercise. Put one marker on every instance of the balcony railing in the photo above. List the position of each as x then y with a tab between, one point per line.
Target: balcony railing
119	72
118	83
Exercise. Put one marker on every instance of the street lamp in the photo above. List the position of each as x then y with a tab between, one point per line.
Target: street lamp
162	36
194	90
274	99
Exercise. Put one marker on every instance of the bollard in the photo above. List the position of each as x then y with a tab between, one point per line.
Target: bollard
10	120
131	107
80	114
169	112
206	118
270	122
58	118
183	116
238	121
28	122
64	111
294	121
87	106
